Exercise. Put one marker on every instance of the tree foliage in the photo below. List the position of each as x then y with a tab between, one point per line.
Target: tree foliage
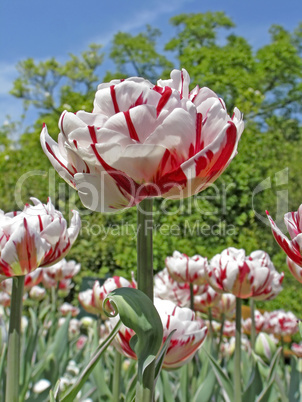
265	84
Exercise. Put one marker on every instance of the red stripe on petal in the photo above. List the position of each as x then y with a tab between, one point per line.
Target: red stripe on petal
92	134
198	132
131	128
164	99
114	100
56	158
122	179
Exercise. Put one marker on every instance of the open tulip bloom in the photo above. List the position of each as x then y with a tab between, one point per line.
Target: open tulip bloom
143	140
293	222
36	237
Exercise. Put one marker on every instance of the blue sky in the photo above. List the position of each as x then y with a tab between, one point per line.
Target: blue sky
43	29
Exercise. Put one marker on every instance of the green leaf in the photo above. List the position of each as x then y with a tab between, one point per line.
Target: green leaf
205	391
254	386
161	355
137	312
295	379
266	392
222	378
72	393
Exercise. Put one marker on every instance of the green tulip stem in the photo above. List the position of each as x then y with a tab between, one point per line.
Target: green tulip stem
14	337
144	247
253	327
237	359
191	297
145	383
116	376
221	332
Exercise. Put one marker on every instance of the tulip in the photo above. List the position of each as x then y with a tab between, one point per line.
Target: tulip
67	308
187	269
143	140
280	323
63	270
5	299
41	386
295	269
259	323
185	341
294	224
206	300
226	306
265	346
37	236
166	288
253	276
297	349
86	300
100	293
37	293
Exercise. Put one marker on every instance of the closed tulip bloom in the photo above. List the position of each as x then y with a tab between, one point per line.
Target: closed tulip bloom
259	323
280	323
63	270
253	276
267	282
187	269
297	349
33	279
265	346
225	307
37	293
293	222
86	300
207	299
37	236
295	269
186	340
143	140
67	308
166	288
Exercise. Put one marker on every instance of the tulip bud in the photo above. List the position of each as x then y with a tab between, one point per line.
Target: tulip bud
265	346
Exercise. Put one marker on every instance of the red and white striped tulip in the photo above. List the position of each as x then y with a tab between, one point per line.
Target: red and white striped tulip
295	269
253	276
225	307
68	308
207	299
187	269
293	247
36	237
259	323
143	140
86	300
62	270
280	323
297	349
186	340
166	288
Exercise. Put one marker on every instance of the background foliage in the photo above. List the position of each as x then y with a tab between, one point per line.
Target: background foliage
265	84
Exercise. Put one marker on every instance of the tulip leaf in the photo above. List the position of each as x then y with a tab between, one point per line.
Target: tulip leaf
161	355
137	312
71	394
294	386
254	386
205	390
221	377
266	392
300	327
